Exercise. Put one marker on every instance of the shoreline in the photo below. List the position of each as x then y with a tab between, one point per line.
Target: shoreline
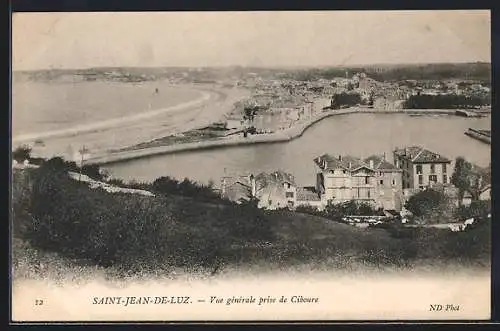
276	137
209	95
109	123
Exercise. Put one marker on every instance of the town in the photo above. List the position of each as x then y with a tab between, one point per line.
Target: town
279	104
261	165
397	206
384	185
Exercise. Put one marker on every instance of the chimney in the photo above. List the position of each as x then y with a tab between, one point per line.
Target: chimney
371	163
384	157
223	186
340	157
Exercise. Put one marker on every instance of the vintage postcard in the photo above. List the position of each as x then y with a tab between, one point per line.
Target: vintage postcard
265	166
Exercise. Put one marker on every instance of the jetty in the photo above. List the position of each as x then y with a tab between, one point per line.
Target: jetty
230	140
233	138
481	135
469	113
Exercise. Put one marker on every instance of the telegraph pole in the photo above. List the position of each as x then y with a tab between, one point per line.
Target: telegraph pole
82	152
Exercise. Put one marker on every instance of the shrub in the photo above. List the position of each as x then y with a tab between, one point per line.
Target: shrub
132	231
477	209
426	203
22	153
188	188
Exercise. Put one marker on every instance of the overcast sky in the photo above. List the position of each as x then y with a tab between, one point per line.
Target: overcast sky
80	40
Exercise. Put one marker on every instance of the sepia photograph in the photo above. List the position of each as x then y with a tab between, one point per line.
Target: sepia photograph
253	165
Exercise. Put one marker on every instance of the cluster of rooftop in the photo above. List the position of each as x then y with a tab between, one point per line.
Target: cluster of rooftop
373	180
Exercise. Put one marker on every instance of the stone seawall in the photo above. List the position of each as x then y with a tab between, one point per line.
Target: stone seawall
280	136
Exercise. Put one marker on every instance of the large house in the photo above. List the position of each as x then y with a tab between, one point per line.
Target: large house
373	180
422	168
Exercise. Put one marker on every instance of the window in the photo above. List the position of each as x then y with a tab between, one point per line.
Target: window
366	180
289	194
419	169
368	193
444	168
433	168
381	182
445	179
393	181
420	179
433	178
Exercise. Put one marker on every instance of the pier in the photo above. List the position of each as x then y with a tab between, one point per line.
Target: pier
481	135
469	113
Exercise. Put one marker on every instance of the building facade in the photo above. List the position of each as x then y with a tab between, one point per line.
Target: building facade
389	183
422	168
373	180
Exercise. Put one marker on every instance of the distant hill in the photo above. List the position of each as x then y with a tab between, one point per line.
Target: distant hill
467	71
384	72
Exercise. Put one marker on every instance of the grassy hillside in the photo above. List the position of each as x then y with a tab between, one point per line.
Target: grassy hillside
63	224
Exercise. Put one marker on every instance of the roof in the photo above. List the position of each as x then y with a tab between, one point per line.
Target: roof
380	163
351	163
419	154
486	188
276	177
307	194
344	162
237	191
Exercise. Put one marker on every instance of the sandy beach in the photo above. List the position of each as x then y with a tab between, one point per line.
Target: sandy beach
101	135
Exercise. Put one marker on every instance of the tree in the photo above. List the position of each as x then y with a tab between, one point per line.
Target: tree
469	178
93	171
350	208
460	177
426	203
22	153
475	187
371	99
166	185
477	209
